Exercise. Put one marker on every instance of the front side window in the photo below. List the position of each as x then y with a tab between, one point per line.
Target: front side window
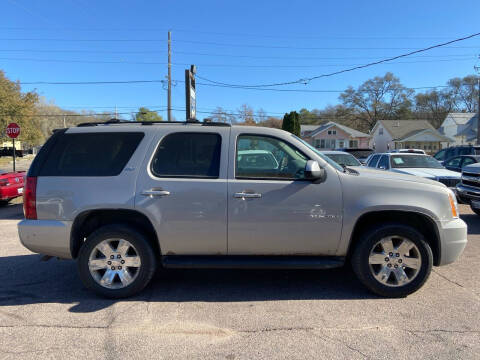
263	157
383	163
455	162
373	161
190	155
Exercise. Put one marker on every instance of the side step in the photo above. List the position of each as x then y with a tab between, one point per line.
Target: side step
251	262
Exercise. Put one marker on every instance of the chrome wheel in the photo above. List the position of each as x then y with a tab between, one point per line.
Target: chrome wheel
395	261
114	263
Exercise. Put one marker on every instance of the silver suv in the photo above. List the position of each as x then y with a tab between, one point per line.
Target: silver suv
121	198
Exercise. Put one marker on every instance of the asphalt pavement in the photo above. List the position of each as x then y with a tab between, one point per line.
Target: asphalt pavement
231	314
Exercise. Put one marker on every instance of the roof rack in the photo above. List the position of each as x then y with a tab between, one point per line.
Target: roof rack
128	122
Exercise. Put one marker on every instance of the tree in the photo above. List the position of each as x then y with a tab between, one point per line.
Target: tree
434	105
245	114
465	92
146	115
19	107
291	123
379	98
220	115
271	122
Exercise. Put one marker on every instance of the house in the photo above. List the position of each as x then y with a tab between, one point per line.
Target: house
332	135
461	127
407	134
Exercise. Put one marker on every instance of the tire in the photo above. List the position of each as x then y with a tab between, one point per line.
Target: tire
373	245
137	268
476	211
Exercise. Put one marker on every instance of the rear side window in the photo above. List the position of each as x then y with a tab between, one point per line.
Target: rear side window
383	163
191	155
90	154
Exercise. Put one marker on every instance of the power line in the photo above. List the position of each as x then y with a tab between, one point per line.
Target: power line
308	79
270	66
86	51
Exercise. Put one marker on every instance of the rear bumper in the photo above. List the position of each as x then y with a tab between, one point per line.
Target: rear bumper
453	239
49	237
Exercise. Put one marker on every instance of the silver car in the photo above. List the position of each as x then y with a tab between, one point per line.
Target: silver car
123	198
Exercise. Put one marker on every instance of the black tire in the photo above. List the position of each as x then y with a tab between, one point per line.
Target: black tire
144	251
361	253
476	211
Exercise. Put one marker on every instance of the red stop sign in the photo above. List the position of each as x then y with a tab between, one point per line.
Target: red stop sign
13	130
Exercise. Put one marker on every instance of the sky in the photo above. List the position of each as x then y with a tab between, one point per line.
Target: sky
234	42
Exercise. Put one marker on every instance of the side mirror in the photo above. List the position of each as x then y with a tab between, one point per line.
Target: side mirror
314	172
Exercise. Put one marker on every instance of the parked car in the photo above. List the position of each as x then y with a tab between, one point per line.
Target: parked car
415	164
11	185
450	152
122	197
359	153
468	190
342	158
457	163
412	151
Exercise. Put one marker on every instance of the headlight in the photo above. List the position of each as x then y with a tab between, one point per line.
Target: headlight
453	203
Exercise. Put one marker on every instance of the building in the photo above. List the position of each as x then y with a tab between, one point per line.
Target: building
407	134
461	127
334	136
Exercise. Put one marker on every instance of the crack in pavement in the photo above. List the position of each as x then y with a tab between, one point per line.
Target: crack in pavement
455	283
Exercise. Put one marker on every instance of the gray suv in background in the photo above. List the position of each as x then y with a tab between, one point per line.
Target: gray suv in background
122	198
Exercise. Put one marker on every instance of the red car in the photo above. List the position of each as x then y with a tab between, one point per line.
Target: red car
11	184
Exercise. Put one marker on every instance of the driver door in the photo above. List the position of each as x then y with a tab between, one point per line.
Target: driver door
272	209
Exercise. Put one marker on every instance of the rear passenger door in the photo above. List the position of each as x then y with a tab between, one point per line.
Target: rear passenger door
182	187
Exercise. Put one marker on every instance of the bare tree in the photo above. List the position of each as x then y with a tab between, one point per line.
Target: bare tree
220	115
434	105
245	114
379	98
465	92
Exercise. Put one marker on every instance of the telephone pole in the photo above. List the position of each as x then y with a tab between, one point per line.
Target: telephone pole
169	107
477	69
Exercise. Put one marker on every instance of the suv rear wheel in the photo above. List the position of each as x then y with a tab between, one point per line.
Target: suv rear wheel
393	260
116	261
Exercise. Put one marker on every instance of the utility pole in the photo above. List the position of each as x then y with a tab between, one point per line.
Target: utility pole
477	69
169	76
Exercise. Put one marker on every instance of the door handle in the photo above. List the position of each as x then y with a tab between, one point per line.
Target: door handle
154	192
247	195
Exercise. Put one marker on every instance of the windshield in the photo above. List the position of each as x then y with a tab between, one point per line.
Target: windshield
415	161
344	159
324	157
359	153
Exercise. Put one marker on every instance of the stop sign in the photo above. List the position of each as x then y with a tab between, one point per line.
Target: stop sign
13	130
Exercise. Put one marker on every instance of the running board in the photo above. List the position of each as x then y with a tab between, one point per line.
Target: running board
251	262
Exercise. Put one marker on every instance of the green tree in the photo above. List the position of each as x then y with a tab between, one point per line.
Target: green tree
19	107
145	114
291	123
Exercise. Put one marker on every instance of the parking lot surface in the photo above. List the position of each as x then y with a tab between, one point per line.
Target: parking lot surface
228	314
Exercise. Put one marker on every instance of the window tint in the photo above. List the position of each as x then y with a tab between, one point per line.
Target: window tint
188	155
468	161
383	163
90	154
268	158
440	155
373	161
455	162
465	151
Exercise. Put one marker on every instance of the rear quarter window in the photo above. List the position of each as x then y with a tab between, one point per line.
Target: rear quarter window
91	154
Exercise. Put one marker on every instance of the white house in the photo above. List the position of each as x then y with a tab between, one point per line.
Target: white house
406	134
461	127
332	135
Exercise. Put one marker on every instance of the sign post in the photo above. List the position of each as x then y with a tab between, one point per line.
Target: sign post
190	94
13	130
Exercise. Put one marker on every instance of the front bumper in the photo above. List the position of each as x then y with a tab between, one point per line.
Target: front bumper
48	237
453	239
467	193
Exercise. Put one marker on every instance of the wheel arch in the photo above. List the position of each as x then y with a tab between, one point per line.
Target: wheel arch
90	220
421	222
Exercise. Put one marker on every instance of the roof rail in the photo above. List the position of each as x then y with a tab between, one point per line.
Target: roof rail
128	122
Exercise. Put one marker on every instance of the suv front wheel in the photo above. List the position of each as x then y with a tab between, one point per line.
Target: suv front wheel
392	260
116	261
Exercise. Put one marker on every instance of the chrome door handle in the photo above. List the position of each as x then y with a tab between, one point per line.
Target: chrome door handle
246	195
153	193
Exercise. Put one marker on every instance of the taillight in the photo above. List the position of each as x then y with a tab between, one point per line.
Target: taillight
30	198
